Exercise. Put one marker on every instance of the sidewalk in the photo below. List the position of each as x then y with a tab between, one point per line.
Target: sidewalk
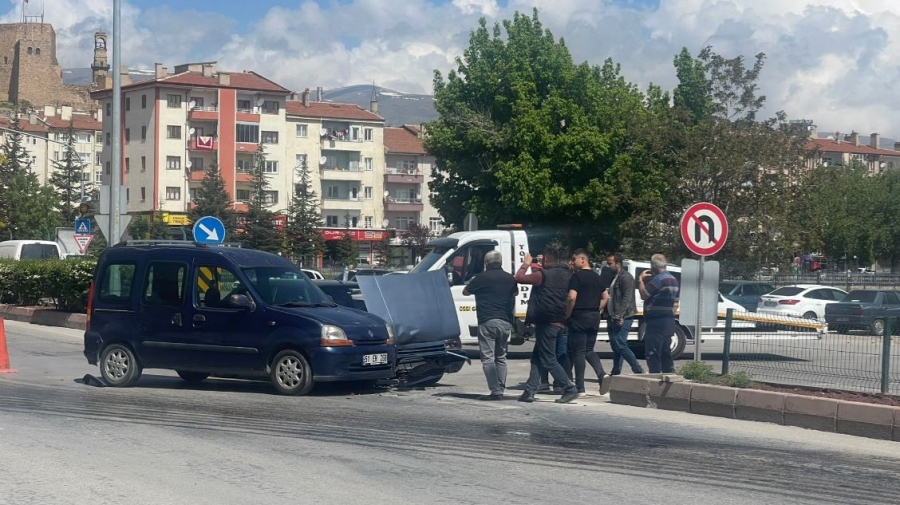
43	315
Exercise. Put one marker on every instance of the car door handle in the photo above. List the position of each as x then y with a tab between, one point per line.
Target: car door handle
176	319
199	319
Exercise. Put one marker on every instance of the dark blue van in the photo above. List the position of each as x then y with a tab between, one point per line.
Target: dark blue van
203	310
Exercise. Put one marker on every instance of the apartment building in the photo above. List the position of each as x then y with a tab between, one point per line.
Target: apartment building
175	125
407	172
844	151
45	136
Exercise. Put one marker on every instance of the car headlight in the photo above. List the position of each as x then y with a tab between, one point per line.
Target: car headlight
334	336
453	344
390	332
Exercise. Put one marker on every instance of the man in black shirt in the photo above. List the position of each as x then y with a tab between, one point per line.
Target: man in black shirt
583	319
495	296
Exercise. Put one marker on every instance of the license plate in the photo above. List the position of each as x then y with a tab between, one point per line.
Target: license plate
375	359
770	304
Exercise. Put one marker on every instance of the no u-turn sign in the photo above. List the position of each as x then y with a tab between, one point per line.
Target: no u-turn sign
704	229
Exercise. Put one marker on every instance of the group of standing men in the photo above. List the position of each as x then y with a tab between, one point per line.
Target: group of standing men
565	306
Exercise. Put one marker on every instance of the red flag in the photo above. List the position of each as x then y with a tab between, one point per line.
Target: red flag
205	143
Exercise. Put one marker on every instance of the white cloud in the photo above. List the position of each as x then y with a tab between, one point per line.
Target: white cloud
834	61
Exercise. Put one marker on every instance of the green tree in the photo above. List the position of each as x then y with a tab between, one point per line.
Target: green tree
26	207
525	135
304	240
212	199
13	160
344	251
148	227
68	179
259	230
415	237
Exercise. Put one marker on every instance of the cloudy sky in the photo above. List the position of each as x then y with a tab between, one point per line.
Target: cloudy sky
833	61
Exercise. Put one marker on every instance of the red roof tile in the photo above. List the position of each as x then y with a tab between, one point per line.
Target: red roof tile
830	146
250	81
24	125
81	122
329	110
401	140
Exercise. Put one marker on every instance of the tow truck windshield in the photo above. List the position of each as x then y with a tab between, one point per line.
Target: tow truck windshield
430	259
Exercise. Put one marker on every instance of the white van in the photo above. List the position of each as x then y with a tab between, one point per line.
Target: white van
29	250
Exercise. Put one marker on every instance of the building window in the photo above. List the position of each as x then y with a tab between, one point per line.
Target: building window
369	163
143	163
127	103
270	197
56	155
269	137
196	164
354	133
402	223
332	192
270	107
248	133
173	193
6	60
434	224
96	158
331	220
127	165
242	195
368	134
367	222
174	101
271	167
108	138
143	133
29	50
244	166
107	168
37	51
109	108
302	130
244	105
143	101
173	132
301	160
192	194
127	134
368	192
85	158
198	102
143	193
173	162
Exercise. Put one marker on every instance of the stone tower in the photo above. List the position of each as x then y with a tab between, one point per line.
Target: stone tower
100	65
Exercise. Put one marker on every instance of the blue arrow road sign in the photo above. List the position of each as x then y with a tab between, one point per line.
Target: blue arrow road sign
82	227
209	230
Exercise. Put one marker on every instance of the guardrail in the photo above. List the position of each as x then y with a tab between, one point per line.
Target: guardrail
777	352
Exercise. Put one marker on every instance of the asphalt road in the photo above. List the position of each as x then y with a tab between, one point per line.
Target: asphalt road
225	441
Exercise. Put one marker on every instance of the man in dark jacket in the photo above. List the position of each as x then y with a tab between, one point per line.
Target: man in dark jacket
547	311
621	308
495	296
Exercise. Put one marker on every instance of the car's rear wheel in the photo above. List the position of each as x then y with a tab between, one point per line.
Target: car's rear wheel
877	327
119	366
192	376
291	373
677	345
810	315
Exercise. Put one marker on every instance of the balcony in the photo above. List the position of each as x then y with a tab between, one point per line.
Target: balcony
204	113
248	115
342	203
196	174
194	145
403	175
392	204
243	175
349	172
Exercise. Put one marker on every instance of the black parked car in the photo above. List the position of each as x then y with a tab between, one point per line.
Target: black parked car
864	309
745	293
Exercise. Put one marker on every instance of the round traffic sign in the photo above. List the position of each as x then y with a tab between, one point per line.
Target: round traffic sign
704	229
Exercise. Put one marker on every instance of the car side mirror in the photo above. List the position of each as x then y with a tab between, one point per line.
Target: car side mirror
449	270
242	302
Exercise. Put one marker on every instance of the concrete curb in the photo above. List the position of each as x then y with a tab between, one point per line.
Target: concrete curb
823	414
44	316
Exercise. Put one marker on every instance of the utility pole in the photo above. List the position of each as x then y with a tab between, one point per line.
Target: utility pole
116	183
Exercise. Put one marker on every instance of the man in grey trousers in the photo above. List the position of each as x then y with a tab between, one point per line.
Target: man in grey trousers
622	307
495	295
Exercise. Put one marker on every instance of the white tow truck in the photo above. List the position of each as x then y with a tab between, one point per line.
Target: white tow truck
461	256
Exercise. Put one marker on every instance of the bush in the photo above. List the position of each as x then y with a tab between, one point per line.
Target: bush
696	371
64	282
738	380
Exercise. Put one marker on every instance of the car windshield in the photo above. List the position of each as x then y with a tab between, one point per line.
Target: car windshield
286	287
727	287
39	252
430	259
787	291
860	297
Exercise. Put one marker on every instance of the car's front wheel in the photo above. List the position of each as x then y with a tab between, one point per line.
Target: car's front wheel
119	366
291	373
877	327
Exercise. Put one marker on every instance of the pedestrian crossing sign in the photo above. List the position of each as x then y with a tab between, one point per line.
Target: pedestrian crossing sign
82	226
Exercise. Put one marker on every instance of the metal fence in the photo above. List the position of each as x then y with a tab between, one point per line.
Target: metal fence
842	280
787	351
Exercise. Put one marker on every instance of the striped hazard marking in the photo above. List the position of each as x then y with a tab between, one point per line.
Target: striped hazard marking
206	278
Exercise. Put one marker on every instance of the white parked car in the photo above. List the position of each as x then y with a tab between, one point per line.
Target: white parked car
312	274
801	300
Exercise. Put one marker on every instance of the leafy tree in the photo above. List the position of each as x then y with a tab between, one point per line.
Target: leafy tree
415	237
259	230
26	207
525	135
68	179
304	241
15	160
212	199
148	227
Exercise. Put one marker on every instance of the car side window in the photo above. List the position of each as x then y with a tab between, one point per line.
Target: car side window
838	295
818	294
467	263
890	298
116	284
164	284
212	286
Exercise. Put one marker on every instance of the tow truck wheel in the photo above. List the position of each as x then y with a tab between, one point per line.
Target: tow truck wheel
679	342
